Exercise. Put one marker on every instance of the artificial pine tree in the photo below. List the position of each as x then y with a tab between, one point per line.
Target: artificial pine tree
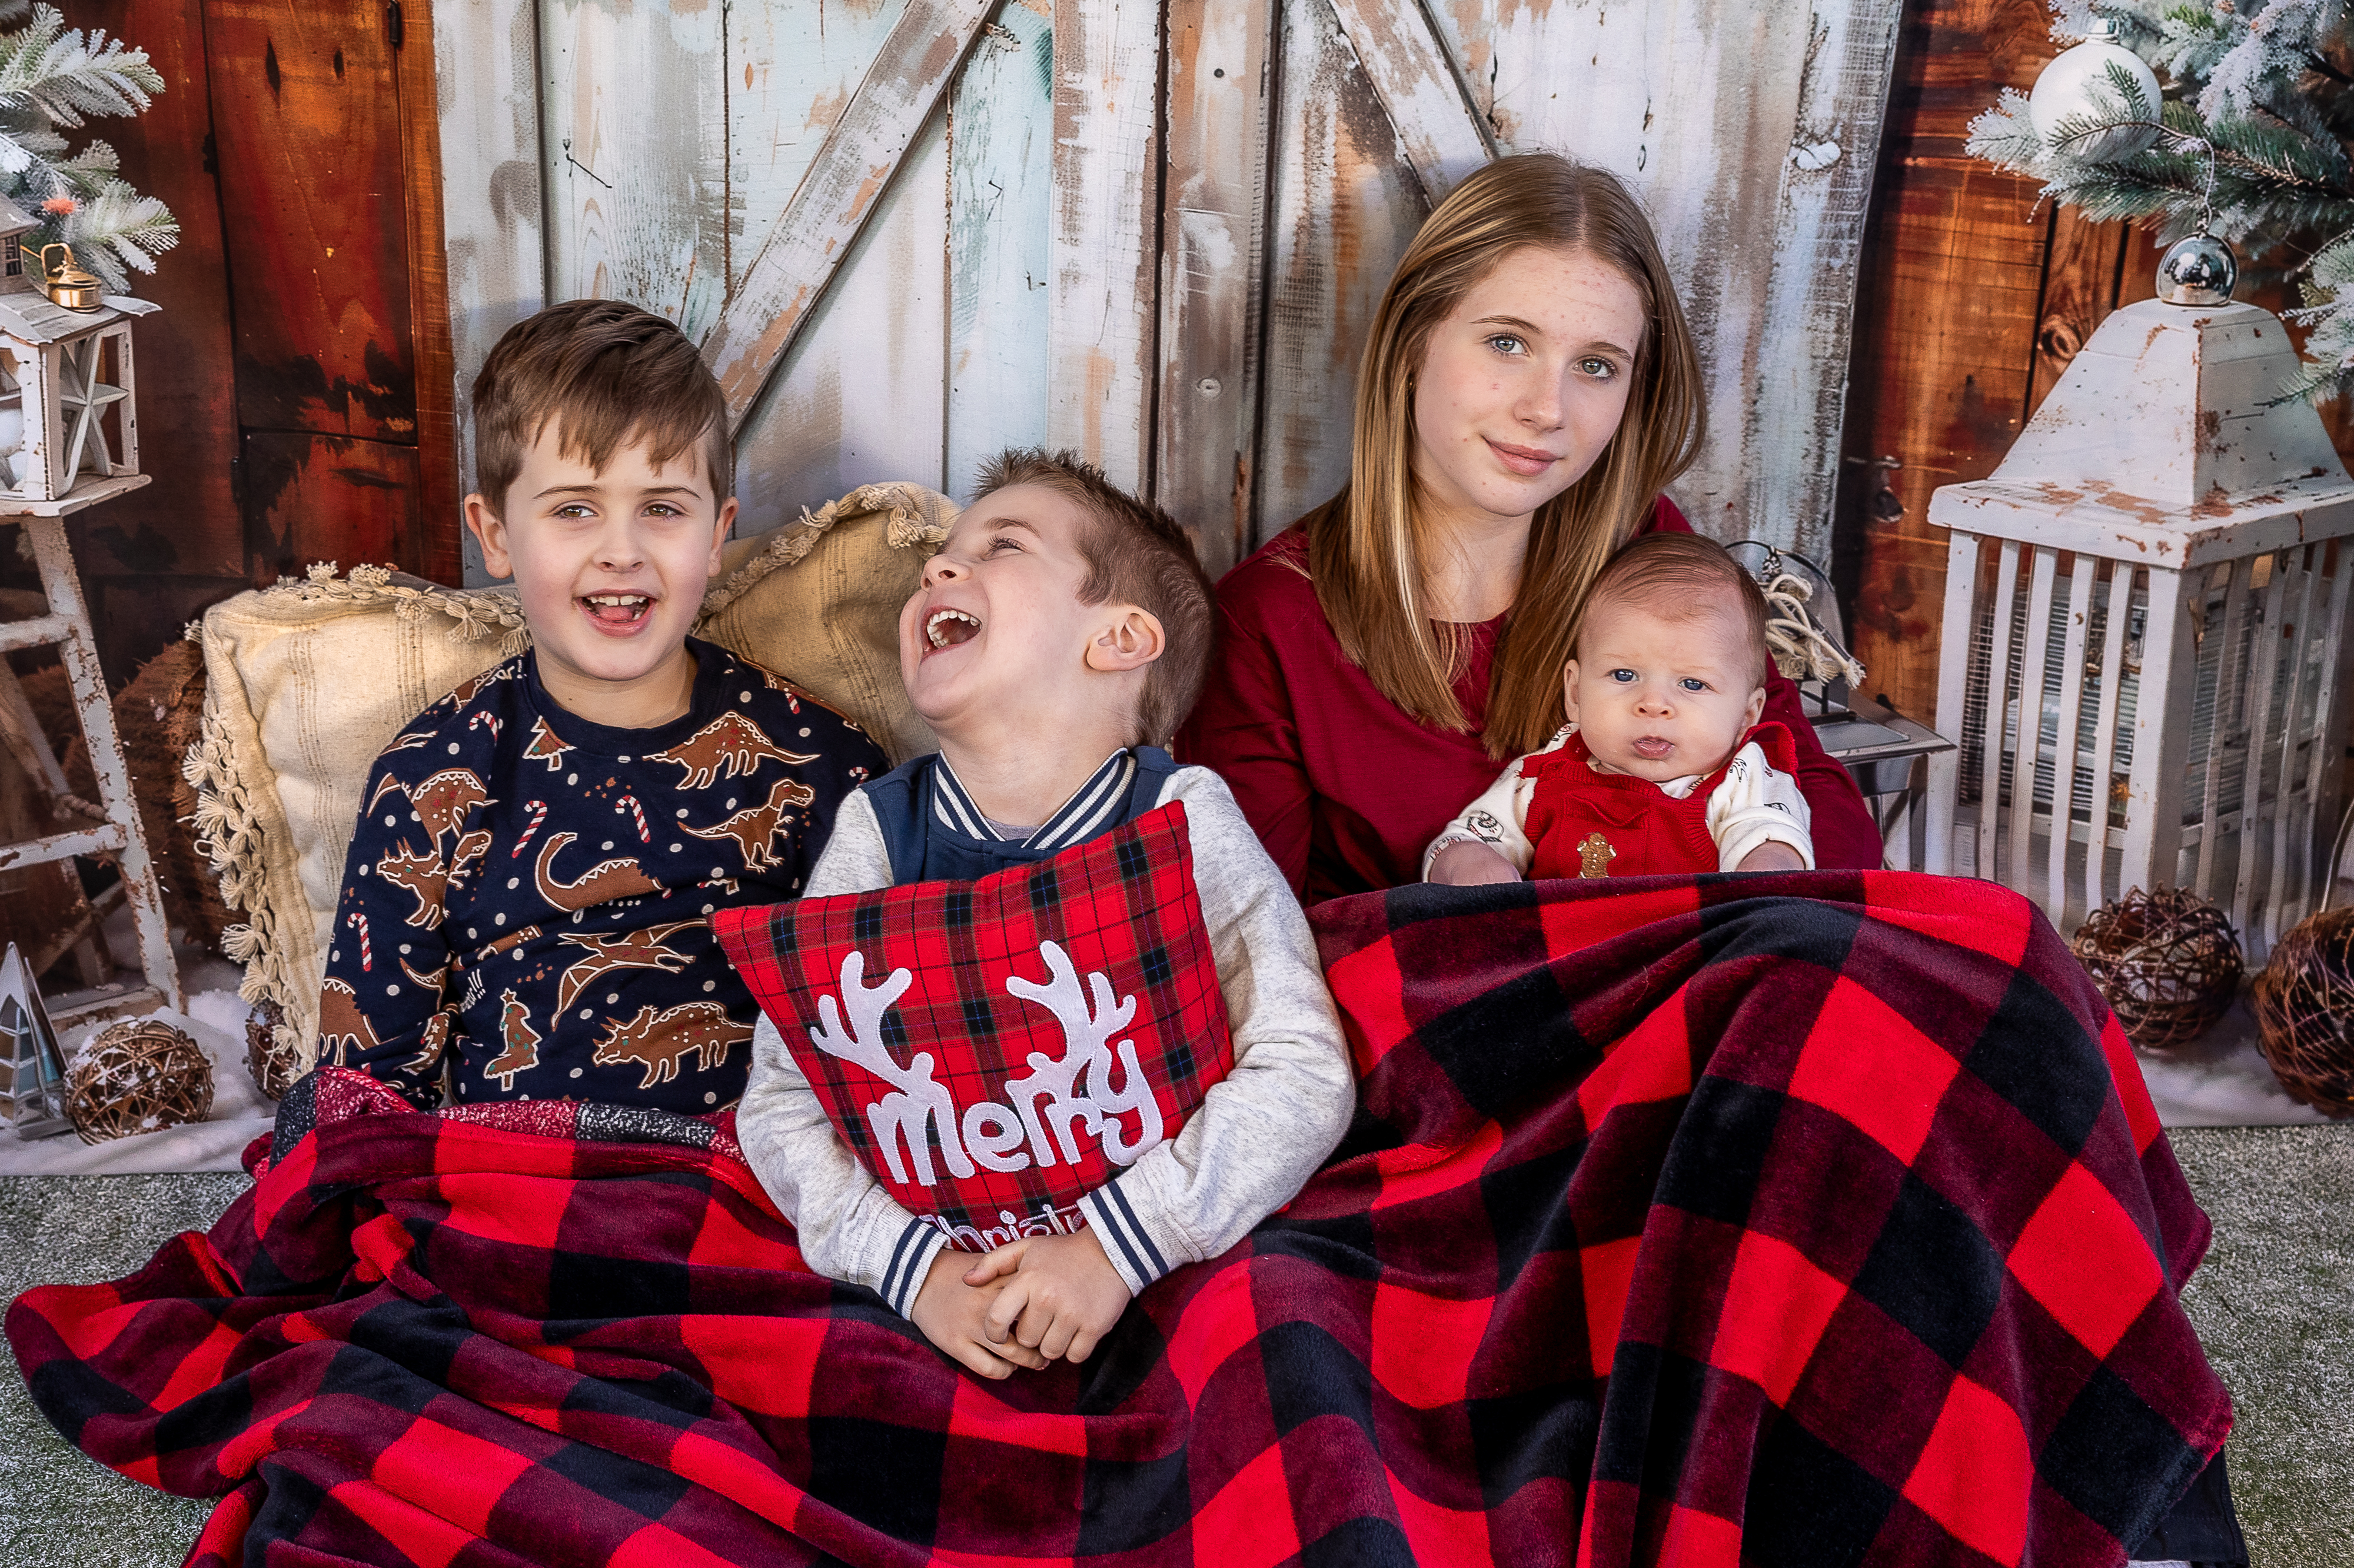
52	77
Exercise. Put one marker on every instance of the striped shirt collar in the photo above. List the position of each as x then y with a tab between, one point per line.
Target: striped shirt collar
1093	806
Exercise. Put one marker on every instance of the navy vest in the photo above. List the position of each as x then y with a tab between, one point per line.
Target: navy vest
925	847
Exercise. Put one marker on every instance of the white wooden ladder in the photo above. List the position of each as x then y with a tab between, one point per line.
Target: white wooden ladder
118	835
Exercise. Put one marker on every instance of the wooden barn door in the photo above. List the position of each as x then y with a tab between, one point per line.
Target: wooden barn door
910	233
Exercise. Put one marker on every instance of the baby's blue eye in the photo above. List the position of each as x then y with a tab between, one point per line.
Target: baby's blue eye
1622	676
1693	683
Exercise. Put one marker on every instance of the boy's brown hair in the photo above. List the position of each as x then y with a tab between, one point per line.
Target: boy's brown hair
1680	577
608	374
1136	553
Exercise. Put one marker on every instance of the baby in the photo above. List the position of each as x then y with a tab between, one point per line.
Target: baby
1662	767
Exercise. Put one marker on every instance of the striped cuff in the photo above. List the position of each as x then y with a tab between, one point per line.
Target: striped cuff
911	1260
1132	1251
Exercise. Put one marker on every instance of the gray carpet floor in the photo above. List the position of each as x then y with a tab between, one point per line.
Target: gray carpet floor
2275	1303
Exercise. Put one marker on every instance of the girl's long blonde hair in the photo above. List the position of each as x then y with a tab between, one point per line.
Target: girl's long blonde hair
1367	548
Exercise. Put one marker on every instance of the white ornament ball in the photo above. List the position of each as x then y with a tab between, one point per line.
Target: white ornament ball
2077	84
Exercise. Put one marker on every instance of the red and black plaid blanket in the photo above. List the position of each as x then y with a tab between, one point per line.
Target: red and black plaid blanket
1684	1220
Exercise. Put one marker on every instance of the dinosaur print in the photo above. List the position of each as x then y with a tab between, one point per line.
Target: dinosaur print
521	1042
512	939
468	856
343	1030
441	802
729	745
445	799
429	1042
604	881
639	949
544	746
657	1041
755	828
431	981
466	690
420	876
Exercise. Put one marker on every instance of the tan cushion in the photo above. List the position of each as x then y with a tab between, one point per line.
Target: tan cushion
307	681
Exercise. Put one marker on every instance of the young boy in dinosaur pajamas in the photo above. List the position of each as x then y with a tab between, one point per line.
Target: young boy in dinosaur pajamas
524	906
1063	628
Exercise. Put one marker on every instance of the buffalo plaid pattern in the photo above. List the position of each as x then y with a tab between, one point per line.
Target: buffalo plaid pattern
1121	907
1814	1219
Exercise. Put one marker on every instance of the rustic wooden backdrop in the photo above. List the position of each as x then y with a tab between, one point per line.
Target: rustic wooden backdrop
300	386
911	232
1971	301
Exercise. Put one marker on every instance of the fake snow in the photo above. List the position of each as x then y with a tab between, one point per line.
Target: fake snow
215	1019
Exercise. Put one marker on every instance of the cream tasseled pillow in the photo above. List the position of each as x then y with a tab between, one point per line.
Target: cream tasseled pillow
307	681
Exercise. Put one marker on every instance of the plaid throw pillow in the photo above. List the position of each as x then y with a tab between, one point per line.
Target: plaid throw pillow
996	1049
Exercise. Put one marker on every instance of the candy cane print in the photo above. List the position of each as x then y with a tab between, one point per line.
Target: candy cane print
359	922
538	809
638	813
480	719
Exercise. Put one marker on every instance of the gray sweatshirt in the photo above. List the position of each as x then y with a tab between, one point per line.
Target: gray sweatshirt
1246	1151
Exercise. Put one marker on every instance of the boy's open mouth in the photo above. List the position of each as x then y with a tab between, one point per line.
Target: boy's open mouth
617	612
948	628
1651	748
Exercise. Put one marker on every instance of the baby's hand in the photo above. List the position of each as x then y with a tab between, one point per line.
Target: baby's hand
952	1314
1061	1297
1464	864
1772	855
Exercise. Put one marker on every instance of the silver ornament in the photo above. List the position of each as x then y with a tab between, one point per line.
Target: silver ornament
2200	271
2076	84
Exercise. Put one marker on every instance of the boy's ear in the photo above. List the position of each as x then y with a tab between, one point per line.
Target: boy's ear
1132	640
1756	710
491	533
719	533
1569	690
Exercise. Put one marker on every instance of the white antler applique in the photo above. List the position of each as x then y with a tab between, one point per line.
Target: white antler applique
919	1107
1077	1089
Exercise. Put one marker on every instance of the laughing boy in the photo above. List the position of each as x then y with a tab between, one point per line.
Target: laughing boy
525	909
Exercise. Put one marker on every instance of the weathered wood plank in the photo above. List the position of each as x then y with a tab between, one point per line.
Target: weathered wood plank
1212	234
1001	194
1797	356
792	67
2079	287
188	526
329	498
1945	324
633	144
812	236
1422	89
486	61
306	125
860	397
1344	205
428	302
1104	247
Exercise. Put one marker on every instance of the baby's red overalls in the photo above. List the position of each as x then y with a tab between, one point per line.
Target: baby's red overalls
1585	823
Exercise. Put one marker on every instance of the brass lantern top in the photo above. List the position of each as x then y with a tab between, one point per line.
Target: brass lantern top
68	285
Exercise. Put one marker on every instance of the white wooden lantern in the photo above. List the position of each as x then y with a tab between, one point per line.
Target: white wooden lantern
2155	579
67	423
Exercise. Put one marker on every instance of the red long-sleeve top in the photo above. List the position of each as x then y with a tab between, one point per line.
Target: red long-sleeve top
1344	788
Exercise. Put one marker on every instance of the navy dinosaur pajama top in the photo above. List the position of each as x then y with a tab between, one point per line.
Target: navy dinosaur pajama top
526	906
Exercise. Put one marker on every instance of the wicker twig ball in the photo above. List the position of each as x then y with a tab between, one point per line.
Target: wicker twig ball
2167	961
2304	1003
269	1052
137	1077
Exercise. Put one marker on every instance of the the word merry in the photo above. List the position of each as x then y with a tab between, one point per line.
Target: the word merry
1043	1113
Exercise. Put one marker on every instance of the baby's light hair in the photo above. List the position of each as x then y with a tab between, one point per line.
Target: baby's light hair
1681	576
